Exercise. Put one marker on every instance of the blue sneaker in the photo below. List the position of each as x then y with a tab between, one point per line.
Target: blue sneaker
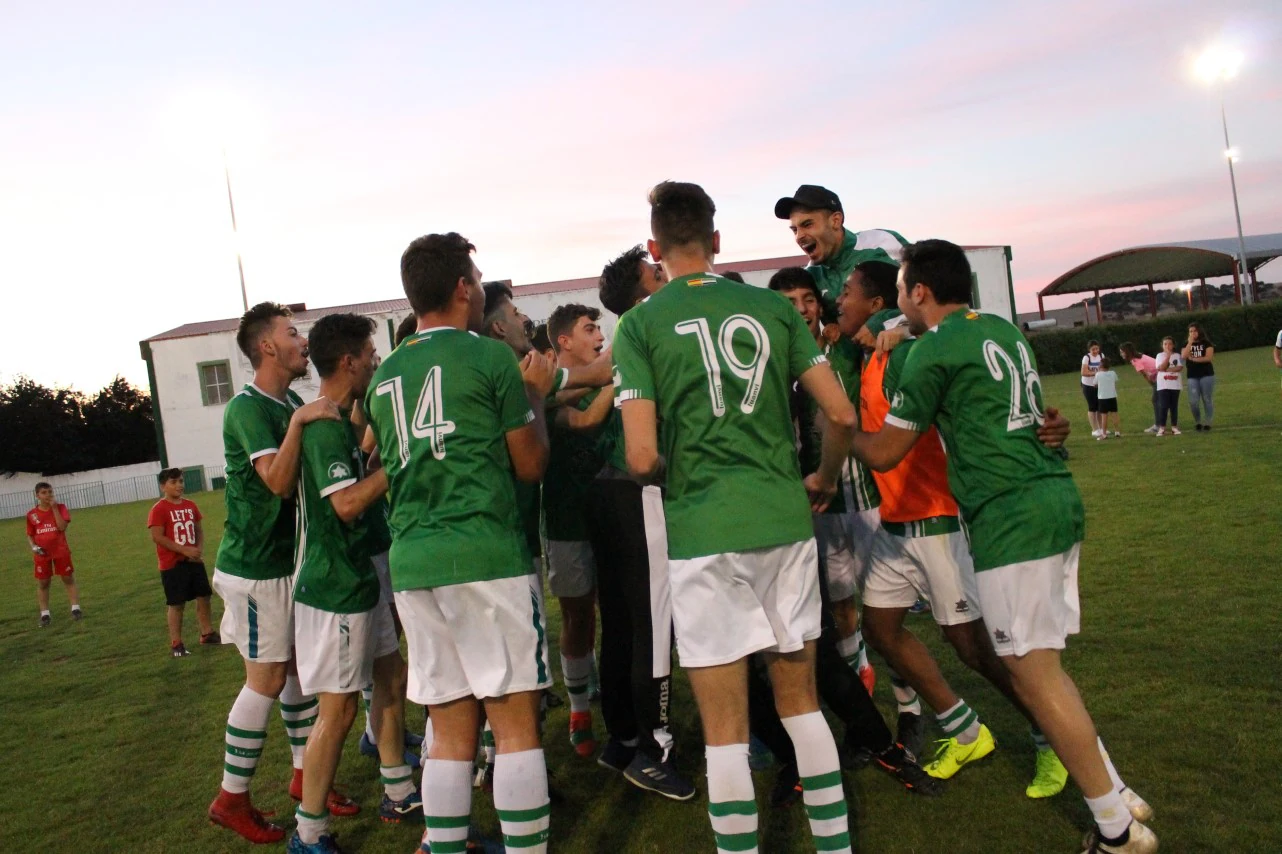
759	756
658	777
370	749
921	606
409	810
326	845
616	755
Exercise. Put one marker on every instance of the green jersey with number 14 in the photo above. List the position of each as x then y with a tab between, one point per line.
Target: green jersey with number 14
718	359
974	377
441	405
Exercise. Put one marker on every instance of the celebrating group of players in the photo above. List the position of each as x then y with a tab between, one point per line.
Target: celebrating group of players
732	472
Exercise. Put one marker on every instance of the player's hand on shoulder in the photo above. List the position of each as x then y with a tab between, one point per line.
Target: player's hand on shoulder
1054	429
538	372
864	338
889	339
322	408
821	492
831	333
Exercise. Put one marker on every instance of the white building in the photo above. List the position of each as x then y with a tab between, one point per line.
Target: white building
195	369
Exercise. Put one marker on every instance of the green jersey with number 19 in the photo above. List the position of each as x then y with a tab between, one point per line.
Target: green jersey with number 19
258	540
974	377
441	405
332	558
718	359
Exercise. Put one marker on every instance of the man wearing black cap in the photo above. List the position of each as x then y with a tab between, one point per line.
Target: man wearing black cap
817	221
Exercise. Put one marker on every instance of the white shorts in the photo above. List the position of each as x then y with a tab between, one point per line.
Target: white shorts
571	568
728	606
845	541
938	568
336	652
258	616
1032	605
383	568
481	639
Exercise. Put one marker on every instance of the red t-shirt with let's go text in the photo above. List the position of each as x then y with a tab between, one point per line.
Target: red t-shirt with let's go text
178	520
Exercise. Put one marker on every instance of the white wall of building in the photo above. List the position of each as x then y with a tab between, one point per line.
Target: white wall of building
992	270
25	481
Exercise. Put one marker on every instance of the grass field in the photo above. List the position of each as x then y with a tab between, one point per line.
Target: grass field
108	745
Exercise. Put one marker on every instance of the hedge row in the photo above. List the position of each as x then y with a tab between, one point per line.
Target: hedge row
1235	328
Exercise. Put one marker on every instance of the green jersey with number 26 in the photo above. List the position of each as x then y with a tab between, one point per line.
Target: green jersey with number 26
974	377
718	359
441	405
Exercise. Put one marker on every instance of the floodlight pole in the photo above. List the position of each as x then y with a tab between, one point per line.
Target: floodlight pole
231	206
1248	296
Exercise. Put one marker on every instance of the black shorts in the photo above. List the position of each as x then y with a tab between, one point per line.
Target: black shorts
1091	393
185	582
1108	404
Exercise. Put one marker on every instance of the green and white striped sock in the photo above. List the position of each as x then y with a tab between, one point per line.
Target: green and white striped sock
311	827
299	713
447	804
959	722
521	800
367	700
1039	739
732	803
852	650
487	742
905	697
575	672
820	771
246	733
398	781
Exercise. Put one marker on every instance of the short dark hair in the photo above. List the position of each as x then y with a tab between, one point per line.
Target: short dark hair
495	294
254	324
405	329
539	340
941	267
42	485
564	318
1105	363
681	215
880	280
167	475
335	336
1091	343
620	285
734	277
794	278
431	267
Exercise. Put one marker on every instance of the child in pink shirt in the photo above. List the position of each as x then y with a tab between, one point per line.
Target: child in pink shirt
1147	366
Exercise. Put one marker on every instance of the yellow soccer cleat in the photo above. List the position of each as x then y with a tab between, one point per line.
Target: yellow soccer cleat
1050	776
952	756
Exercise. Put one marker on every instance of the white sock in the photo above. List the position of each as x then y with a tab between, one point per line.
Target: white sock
367	699
45	612
662	737
311	827
575	672
246	733
398	781
521	800
428	737
1111	814
820	772
905	697
298	710
959	722
851	649
732	802
447	800
1118	785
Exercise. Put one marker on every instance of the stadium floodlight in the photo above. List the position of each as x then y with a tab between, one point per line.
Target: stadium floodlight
1217	65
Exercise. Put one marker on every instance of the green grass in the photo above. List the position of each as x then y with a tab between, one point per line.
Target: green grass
109	745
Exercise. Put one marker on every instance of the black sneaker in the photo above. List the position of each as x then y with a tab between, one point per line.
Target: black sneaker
853	756
899	763
911	733
77	614
787	786
658	777
1206	428
178	650
616	755
45	621
1197	427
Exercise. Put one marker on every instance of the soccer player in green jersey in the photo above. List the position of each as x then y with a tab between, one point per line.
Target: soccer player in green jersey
344	632
455	419
973	376
715	360
253	572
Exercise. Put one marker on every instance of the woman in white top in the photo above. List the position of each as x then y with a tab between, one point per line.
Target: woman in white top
1169	382
1090	366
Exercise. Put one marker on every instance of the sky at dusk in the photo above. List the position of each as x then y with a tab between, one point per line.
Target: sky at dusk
1064	130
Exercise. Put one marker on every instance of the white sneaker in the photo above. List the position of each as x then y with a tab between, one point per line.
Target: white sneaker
1140	810
1140	841
1161	431
1101	437
1152	429
1097	433
1175	431
1117	434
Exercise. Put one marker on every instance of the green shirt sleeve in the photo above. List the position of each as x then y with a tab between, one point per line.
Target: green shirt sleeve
920	392
803	352
327	456
509	391
633	377
250	429
890	380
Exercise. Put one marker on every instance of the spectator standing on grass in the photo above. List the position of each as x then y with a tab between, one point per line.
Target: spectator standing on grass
1169	368
1090	365
1277	351
1146	366
1198	354
1106	385
47	533
174	523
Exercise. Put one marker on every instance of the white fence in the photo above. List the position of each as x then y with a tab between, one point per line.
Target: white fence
78	496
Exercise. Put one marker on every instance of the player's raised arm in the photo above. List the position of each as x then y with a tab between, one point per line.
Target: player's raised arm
594	416
61	516
351	501
596	375
840	419
527	443
279	471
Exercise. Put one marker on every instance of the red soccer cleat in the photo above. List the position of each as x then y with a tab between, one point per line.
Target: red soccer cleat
339	804
581	736
235	812
868	676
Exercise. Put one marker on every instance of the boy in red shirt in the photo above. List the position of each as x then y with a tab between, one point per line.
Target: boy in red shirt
47	533
174	523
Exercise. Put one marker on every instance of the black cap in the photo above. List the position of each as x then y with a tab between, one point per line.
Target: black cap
809	196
